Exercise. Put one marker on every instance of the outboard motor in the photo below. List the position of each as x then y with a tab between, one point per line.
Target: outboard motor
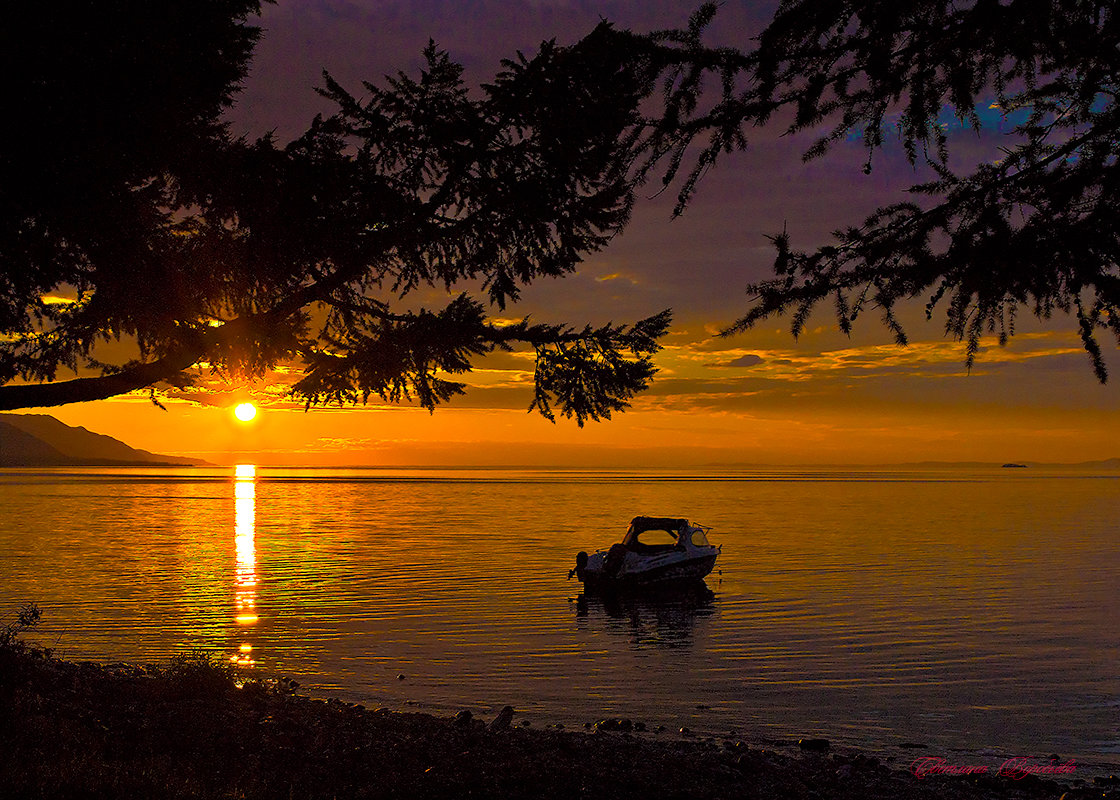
581	565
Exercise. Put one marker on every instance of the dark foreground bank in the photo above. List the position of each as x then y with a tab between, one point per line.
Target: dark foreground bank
84	730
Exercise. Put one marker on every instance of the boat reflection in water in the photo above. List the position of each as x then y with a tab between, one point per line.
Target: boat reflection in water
245	591
664	618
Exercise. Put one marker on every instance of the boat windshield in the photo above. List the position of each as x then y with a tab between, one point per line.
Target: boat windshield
699	538
655	536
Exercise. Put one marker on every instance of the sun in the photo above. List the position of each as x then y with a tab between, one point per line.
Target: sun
245	412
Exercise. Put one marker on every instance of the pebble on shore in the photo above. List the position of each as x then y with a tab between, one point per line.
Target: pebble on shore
503	720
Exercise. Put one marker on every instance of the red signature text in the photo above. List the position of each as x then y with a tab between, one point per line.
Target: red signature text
1014	768
1019	768
935	765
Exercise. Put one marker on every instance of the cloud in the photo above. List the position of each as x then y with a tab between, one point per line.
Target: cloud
618	276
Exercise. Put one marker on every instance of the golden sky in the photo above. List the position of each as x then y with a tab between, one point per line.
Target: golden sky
756	398
759	398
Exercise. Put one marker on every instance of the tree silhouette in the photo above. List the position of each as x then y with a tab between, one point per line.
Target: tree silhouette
1036	226
130	218
198	249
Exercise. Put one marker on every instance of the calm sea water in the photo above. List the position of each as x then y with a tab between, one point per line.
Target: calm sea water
967	611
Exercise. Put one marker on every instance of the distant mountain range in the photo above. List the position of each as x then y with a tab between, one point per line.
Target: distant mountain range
39	440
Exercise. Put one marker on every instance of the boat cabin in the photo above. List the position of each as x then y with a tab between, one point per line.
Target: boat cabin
649	535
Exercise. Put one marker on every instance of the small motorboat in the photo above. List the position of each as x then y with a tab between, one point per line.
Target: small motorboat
655	551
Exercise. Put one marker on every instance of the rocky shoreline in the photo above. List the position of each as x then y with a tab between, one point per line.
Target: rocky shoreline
194	729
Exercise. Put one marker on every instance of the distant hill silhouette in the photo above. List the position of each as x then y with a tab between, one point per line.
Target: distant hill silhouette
39	440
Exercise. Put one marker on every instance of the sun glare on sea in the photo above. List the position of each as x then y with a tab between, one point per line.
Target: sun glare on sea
245	412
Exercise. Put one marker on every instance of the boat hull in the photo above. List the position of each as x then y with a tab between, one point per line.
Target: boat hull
671	572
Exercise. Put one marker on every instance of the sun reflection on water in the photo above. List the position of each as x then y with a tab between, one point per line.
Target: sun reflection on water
245	593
